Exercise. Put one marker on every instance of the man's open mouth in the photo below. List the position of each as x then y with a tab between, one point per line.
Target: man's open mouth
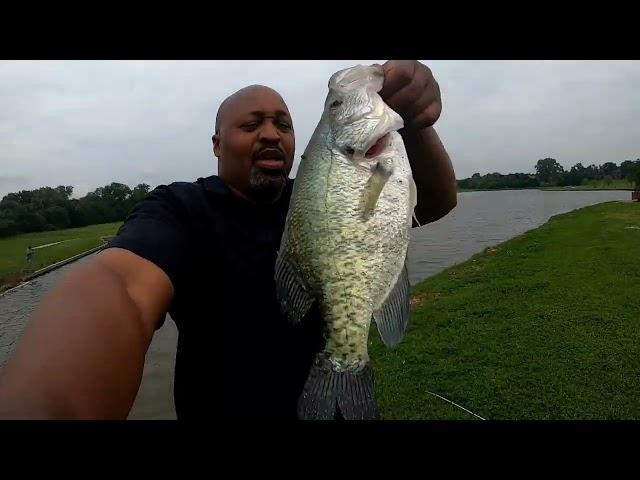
270	159
270	164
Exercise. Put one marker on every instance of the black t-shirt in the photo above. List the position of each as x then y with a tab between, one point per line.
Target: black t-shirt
237	357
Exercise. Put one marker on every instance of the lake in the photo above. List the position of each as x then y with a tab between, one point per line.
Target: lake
484	219
480	220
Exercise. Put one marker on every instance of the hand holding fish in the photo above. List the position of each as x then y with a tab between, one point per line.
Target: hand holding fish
410	89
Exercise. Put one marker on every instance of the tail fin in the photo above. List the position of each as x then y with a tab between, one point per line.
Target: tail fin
326	391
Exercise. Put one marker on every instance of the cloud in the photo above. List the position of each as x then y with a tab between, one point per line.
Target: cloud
93	122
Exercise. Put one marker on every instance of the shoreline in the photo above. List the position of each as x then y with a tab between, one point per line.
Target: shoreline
538	327
51	250
552	189
10	286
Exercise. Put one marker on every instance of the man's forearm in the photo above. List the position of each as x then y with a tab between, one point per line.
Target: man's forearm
82	353
433	173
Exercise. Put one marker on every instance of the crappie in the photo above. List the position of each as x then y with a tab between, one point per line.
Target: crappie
345	241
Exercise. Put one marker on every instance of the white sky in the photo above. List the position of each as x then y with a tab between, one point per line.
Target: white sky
88	123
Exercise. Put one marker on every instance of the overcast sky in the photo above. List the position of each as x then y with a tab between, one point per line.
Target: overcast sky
88	123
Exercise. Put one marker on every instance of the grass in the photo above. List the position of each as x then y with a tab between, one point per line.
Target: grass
13	261
544	326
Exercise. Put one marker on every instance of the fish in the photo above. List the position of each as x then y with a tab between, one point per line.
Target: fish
345	242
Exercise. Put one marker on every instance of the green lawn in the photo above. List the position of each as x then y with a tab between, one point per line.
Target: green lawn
12	250
544	326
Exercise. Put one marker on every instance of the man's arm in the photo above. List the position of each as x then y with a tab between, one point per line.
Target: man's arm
433	174
410	89
82	353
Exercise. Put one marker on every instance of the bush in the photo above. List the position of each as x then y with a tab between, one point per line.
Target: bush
31	222
7	228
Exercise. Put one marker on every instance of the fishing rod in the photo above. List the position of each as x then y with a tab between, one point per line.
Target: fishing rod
453	403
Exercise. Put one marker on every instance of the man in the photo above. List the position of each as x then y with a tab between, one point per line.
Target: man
29	259
205	253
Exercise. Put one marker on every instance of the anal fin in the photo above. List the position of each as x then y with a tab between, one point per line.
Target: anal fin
393	315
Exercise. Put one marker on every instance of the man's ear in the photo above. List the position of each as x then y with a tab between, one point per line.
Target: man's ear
216	144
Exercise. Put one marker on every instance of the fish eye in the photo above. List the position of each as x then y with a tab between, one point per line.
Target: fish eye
336	103
349	150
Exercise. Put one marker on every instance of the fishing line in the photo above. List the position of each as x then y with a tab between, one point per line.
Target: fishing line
453	403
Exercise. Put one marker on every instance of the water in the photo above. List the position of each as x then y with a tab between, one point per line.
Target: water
484	219
480	220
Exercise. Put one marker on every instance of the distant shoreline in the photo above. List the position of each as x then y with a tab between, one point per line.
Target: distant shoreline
551	189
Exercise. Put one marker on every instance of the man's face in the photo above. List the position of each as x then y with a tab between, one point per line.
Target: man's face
255	144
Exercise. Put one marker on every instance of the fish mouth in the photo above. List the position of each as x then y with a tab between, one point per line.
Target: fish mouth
378	146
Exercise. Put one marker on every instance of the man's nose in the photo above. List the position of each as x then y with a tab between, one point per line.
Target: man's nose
269	133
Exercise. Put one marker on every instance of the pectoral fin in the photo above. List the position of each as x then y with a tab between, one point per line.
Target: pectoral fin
413	199
379	176
294	299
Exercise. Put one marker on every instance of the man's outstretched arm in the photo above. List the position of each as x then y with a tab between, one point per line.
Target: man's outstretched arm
82	353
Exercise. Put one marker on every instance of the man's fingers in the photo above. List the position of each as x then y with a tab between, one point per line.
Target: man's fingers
428	117
400	102
397	74
411	90
412	99
426	98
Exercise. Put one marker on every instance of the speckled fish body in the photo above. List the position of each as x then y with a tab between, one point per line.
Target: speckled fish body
345	241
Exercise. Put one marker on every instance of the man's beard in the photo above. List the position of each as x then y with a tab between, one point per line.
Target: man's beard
265	186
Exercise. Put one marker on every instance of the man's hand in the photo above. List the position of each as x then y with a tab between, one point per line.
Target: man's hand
411	90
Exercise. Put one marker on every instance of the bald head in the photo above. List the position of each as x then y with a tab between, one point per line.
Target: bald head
254	142
242	95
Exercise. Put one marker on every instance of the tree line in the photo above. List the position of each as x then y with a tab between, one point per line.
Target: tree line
550	173
53	208
50	208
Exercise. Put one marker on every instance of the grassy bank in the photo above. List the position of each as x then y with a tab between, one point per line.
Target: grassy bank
13	261
545	326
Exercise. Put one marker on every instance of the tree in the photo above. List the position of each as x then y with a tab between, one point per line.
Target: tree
50	208
57	216
636	176
7	228
627	169
115	193
138	194
592	172
574	176
548	170
609	169
31	222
